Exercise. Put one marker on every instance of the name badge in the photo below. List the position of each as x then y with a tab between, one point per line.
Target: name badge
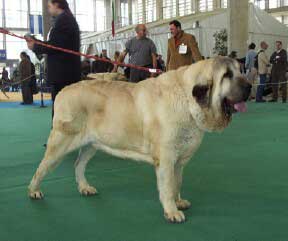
183	49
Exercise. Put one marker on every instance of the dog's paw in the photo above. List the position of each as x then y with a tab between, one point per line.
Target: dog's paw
36	195
87	190
175	217
183	204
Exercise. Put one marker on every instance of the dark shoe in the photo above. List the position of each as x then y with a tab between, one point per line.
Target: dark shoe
45	145
284	101
272	100
260	101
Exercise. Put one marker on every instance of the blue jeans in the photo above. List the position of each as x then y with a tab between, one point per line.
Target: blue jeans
261	87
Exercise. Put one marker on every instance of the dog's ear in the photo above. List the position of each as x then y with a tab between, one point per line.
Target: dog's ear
200	93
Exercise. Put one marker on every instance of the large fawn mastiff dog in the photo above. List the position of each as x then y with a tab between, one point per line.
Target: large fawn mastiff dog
160	121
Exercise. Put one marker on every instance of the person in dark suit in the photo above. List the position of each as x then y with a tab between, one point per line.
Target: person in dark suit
62	68
5	75
278	72
33	80
25	77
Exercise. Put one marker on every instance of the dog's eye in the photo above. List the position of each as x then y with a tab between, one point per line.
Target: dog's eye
228	74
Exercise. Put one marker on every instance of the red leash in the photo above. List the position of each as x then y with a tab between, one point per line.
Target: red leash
5	31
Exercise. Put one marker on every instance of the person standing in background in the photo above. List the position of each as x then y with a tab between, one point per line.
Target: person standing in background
33	80
116	58
263	64
5	75
25	77
278	72
250	67
142	52
182	48
63	69
116	55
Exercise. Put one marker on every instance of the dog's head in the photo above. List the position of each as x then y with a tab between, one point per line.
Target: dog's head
215	89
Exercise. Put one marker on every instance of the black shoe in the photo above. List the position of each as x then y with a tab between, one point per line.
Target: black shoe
284	101
45	145
273	100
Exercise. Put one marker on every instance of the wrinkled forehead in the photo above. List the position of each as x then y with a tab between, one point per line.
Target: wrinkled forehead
226	64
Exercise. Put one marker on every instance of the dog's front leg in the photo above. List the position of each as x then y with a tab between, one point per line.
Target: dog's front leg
178	172
166	186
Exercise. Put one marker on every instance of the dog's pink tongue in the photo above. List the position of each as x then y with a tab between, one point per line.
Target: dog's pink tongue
240	107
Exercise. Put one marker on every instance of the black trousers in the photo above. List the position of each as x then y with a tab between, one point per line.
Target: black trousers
27	95
139	75
279	77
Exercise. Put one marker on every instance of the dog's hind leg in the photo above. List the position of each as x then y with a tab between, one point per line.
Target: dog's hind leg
85	154
58	145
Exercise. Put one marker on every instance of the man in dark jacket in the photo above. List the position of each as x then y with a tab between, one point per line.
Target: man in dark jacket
5	74
62	68
278	72
33	80
25	77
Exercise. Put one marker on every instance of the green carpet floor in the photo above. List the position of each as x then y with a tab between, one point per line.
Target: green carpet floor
237	183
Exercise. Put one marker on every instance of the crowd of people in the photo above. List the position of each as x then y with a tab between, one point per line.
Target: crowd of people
270	71
182	50
64	69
